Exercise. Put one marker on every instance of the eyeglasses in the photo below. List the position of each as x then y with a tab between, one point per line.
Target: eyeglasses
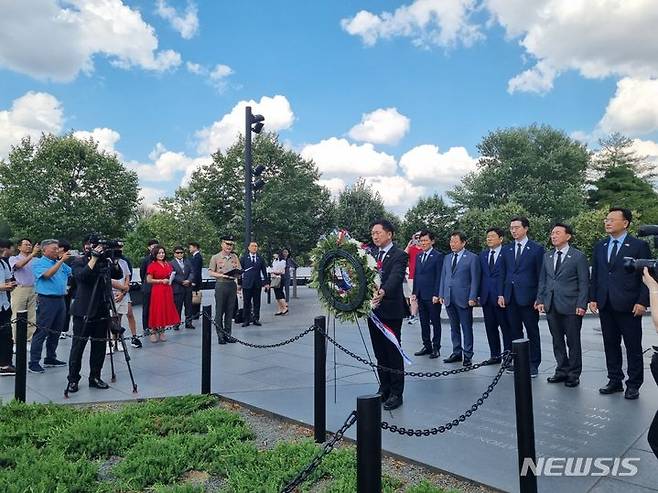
177	253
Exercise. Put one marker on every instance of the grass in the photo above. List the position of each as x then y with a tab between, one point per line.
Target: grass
158	446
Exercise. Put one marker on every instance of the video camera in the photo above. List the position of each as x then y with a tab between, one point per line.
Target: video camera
632	264
109	246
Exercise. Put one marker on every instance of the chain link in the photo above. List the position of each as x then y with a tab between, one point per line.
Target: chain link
326	449
455	422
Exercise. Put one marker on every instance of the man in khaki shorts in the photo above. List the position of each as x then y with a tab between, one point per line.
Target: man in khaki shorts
23	297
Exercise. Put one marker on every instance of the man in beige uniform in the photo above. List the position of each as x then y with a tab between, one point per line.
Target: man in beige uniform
24	298
221	265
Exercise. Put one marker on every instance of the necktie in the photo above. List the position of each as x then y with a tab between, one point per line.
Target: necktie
380	256
613	253
253	259
422	261
491	260
518	253
454	262
558	263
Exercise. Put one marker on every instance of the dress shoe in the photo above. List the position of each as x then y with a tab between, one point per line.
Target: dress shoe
631	393
556	379
467	362
384	395
257	323
572	382
492	361
72	387
190	326
424	351
97	383
435	354
393	402
231	340
611	388
245	324
220	339
454	358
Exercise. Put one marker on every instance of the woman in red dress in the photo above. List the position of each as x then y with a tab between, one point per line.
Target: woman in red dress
162	311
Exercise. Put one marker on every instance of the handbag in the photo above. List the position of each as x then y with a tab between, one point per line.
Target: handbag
197	296
276	281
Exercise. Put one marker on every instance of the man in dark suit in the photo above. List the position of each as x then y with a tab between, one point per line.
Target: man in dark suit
460	280
182	285
146	287
391	308
427	282
491	285
522	263
563	293
196	259
254	277
621	299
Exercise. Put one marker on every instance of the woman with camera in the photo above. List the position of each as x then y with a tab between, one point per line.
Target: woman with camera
652	284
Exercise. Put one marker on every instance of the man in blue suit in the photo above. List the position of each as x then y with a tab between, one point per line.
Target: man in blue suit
427	282
254	277
523	259
491	285
460	280
621	299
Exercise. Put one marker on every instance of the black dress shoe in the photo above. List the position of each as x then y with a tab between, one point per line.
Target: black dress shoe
556	379
467	362
454	358
245	324
383	395
190	326
492	361
72	387
572	382
611	388
631	393
393	402
97	383
220	339
424	351
257	323
435	354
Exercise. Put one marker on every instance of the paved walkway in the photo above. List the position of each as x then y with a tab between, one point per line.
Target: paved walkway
569	422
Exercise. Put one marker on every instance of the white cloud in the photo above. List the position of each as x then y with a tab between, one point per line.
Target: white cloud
335	185
397	192
224	132
29	115
647	149
50	39
382	126
105	137
186	24
218	77
339	157
634	108
196	68
166	165
444	23
597	38
151	195
427	165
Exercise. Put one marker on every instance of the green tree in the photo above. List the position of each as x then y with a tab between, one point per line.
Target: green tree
431	213
615	151
65	187
357	207
538	167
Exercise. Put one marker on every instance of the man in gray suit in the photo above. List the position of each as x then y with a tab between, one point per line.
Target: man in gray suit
460	281
182	285
562	295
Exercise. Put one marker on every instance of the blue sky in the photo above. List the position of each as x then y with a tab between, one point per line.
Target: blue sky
397	92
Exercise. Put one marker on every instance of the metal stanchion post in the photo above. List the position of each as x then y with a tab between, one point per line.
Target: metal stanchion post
320	387
369	444
294	282
525	426
21	356
206	344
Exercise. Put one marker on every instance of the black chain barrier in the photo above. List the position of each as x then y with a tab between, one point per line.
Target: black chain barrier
326	449
261	346
462	417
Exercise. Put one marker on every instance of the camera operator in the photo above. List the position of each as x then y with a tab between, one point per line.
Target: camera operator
652	284
91	312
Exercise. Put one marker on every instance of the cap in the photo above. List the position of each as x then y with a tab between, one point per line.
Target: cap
227	238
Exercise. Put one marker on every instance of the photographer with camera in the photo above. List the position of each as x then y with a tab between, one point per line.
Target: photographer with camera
93	273
652	284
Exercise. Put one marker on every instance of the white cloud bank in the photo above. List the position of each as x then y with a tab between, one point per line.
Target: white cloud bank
382	126
186	24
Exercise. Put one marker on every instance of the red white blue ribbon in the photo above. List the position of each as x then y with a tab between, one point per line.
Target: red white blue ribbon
389	334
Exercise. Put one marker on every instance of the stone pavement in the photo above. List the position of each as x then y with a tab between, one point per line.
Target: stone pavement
569	422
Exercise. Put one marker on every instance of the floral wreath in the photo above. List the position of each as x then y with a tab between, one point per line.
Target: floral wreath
345	275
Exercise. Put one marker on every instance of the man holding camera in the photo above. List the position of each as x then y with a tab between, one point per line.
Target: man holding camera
91	312
621	299
652	284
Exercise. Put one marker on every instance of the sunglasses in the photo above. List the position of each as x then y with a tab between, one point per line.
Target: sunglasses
179	252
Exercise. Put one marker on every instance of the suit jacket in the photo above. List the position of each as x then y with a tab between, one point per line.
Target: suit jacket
180	275
427	275
197	265
522	278
612	284
567	289
142	272
394	266
491	282
462	285
86	279
254	274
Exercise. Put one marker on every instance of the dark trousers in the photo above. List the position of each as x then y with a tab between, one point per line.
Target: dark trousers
6	342
461	321
569	364
518	317
430	313
51	314
94	328
225	293
184	298
616	326
388	355
146	302
196	309
652	438
495	318
251	296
